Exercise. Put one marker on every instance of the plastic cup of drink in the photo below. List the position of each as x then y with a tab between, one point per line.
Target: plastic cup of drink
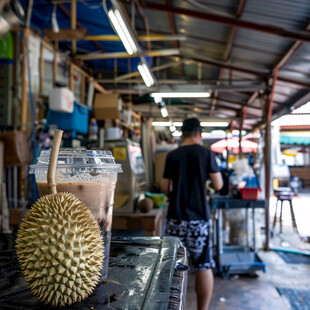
91	175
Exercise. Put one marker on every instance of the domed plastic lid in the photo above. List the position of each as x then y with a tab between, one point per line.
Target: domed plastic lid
78	160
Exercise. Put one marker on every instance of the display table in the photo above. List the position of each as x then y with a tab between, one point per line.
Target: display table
144	273
234	259
150	222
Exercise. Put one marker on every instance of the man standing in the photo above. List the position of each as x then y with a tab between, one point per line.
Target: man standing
184	182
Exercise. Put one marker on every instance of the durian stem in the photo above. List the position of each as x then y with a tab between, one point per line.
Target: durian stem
51	171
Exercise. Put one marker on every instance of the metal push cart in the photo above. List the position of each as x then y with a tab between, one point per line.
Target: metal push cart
235	259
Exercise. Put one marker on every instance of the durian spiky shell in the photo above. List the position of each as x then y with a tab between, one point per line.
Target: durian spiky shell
60	249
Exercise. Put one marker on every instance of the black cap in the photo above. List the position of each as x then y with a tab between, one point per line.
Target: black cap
191	125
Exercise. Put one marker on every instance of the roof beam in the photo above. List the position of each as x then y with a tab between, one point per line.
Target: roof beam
274	30
291	51
229	47
156	53
152	37
174	31
153	69
262	74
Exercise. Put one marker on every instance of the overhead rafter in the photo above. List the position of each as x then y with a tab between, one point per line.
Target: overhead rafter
284	59
229	46
152	37
174	32
153	69
93	56
257	73
215	41
274	30
79	24
290	52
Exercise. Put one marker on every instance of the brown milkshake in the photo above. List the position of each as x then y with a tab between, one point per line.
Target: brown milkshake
98	197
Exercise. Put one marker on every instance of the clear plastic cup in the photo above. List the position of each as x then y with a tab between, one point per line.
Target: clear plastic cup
91	175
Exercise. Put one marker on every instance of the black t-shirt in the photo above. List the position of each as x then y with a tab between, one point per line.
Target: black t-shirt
188	167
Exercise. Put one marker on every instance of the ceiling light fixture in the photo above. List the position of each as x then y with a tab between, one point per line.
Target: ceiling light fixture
158	99
177	124
122	29
146	75
163	109
164	112
161	124
177	134
214	124
181	95
172	128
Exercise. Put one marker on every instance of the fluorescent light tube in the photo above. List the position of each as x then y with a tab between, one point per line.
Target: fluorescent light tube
161	124
119	29
158	99
172	128
164	111
214	124
181	95
125	30
177	134
146	75
177	124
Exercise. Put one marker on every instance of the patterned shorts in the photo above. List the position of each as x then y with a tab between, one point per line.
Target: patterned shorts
195	236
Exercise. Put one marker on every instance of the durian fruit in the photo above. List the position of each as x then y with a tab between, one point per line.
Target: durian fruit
60	249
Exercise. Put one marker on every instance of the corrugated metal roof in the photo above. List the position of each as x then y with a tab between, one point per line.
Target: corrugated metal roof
252	56
282	13
220	6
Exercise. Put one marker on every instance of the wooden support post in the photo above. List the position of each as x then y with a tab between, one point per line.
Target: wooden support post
41	69
55	66
83	89
115	71
23	110
73	24
71	79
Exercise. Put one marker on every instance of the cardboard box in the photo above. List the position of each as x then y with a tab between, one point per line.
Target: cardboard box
16	148
107	106
160	160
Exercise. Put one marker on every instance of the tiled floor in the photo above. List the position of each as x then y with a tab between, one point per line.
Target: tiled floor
242	292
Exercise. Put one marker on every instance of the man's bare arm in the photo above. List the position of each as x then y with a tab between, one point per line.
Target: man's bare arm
217	180
165	186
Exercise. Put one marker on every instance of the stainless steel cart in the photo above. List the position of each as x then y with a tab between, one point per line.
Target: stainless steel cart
235	259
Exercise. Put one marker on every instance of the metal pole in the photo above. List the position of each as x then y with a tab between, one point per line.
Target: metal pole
268	113
247	227
254	232
220	232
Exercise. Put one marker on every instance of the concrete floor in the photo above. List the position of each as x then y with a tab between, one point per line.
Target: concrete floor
244	292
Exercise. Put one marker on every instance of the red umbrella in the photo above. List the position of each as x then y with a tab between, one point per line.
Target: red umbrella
233	144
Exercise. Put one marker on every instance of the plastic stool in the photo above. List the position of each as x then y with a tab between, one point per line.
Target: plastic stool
285	196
